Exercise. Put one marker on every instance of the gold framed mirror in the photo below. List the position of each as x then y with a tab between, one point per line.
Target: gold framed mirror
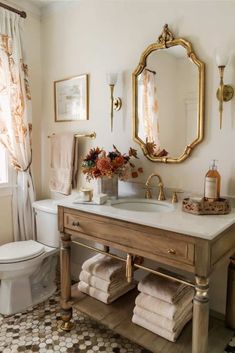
168	99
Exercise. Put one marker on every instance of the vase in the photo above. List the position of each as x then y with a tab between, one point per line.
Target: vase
108	186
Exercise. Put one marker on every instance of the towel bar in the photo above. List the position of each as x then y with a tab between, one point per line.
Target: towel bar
92	135
136	265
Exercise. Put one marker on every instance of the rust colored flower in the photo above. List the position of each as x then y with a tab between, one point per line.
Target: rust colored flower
99	163
134	174
104	165
119	161
133	152
93	154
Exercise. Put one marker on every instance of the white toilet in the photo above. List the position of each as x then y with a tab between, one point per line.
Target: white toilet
28	268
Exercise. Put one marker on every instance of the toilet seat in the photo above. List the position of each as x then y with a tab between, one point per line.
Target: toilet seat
20	251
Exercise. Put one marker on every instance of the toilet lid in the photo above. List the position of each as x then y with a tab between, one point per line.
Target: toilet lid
20	251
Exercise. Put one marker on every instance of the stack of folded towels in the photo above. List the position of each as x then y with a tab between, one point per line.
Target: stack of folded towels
104	278
164	306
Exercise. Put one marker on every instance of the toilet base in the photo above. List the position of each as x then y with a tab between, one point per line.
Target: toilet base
21	293
15	294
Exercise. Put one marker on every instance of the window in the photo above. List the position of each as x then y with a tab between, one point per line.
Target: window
3	166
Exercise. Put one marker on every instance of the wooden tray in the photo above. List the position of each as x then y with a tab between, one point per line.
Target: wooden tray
221	206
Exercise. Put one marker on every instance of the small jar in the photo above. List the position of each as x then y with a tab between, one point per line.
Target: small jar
86	194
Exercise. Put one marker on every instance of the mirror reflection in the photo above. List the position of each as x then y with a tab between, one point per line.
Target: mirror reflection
168	101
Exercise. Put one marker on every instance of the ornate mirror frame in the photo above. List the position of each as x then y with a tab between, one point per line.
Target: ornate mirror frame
167	40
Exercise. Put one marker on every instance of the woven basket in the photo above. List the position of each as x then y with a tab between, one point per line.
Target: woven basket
203	207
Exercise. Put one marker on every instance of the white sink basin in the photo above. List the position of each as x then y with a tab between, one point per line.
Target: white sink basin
142	205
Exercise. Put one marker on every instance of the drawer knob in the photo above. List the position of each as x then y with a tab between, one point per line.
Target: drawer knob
171	251
75	223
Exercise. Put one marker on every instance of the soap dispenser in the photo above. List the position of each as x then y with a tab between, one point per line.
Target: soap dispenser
212	183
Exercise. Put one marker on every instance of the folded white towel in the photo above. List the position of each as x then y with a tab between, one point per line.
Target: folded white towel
104	267
170	336
161	321
158	306
105	286
162	288
104	297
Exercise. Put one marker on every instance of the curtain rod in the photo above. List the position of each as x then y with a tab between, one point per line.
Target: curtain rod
12	9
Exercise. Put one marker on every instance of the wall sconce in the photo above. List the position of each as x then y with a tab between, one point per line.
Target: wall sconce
224	92
115	102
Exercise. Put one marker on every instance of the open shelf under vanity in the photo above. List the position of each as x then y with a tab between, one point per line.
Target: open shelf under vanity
117	317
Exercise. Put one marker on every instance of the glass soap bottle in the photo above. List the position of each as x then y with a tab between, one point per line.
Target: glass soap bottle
212	183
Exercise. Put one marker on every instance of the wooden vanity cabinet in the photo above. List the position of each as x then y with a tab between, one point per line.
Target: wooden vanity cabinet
189	253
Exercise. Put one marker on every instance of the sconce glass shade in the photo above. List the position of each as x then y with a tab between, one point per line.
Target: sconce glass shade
222	56
112	78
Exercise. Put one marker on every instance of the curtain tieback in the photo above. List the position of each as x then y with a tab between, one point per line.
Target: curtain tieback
20	169
26	169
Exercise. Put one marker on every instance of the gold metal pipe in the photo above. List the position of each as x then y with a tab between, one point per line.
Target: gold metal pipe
129	268
224	93
221	98
138	266
162	274
98	250
115	104
111	105
92	135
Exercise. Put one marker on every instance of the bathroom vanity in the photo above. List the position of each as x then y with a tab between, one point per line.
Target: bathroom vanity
196	244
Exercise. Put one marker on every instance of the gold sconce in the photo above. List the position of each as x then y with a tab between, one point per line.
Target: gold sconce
224	92
115	102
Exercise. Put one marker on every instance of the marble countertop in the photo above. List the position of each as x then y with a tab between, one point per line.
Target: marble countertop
175	220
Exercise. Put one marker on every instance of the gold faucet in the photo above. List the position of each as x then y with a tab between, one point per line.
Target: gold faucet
148	194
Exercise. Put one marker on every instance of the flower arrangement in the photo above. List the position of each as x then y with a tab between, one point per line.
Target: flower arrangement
99	163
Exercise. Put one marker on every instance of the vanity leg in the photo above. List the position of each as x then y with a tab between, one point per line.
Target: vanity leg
200	316
65	277
230	305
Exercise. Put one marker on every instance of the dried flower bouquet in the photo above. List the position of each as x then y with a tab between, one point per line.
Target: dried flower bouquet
99	163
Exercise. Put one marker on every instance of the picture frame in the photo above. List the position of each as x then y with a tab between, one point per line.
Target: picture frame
71	98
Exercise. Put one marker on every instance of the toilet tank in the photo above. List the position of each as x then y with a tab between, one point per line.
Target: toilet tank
46	222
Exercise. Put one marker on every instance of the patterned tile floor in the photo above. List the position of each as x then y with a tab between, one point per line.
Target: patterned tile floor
37	331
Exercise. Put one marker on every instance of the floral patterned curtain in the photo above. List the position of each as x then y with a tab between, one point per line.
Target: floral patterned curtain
15	126
148	107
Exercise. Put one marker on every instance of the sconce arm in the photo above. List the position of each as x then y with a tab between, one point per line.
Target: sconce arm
111	105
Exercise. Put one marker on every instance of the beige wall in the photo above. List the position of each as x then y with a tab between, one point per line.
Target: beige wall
33	49
5	219
99	36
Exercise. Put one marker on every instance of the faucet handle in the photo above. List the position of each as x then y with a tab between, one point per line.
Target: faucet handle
148	192
175	196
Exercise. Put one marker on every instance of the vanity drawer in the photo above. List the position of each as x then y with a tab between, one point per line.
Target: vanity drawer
137	239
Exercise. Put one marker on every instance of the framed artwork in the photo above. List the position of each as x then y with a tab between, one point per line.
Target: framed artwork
71	98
